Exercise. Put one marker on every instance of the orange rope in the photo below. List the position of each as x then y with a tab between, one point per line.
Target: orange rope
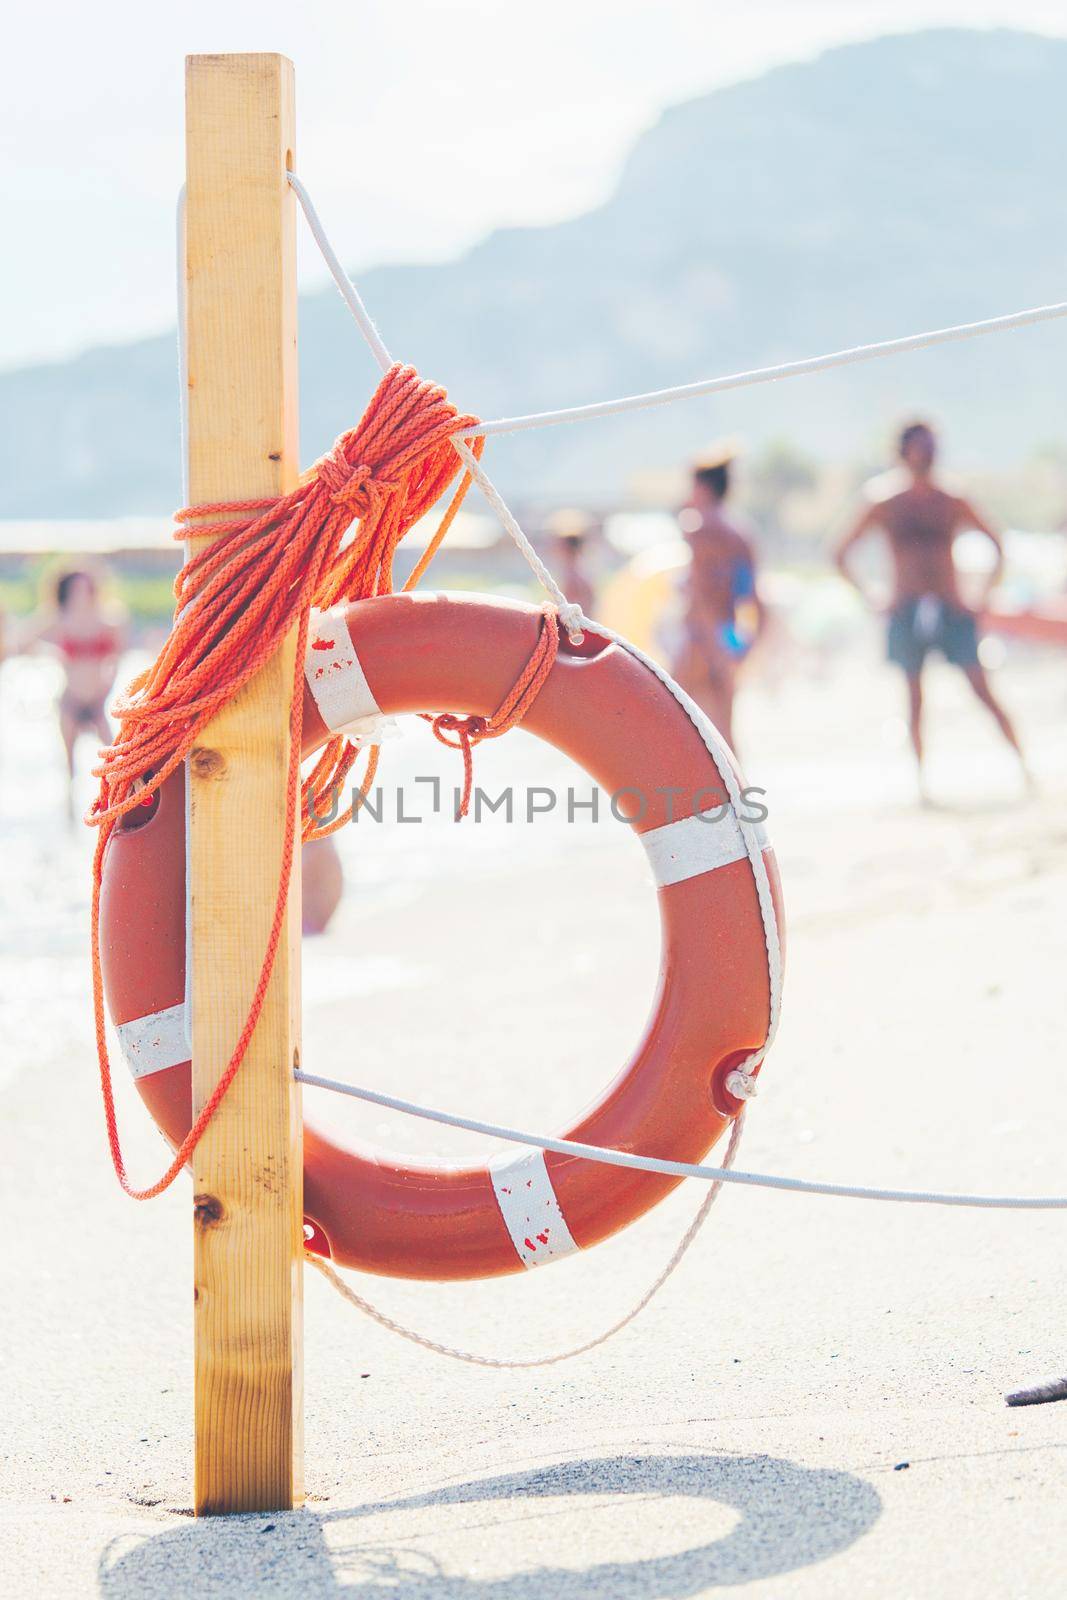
238	598
470	731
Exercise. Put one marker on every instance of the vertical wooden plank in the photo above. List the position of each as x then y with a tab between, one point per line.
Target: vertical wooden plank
248	1169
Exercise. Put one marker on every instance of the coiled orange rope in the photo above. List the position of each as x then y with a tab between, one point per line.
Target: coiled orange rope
268	563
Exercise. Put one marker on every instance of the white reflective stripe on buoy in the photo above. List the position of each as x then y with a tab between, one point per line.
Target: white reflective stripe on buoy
701	843
529	1207
337	680
153	1043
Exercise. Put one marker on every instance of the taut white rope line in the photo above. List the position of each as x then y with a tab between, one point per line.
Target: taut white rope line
349	293
183	348
720	755
354	301
741	1081
686	1169
385	1321
703	386
787	369
570	615
576	624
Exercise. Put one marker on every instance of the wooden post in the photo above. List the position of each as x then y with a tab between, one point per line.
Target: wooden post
248	1169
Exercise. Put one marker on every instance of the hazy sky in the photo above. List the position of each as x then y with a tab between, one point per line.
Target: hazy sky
422	123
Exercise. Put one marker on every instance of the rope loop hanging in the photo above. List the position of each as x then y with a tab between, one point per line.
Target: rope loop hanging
470	731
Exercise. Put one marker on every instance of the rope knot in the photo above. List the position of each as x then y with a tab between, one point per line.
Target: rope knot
353	487
572	620
468	729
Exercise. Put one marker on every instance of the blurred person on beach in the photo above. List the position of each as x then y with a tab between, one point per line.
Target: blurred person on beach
87	637
570	534
920	522
722	614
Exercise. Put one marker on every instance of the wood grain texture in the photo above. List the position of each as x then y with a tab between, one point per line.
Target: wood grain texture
248	1171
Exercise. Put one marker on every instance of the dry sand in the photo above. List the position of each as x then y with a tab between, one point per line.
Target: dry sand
812	1408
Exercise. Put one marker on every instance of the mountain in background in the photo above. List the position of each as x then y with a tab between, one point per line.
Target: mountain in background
887	187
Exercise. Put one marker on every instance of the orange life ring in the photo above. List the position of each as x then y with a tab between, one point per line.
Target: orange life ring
610	713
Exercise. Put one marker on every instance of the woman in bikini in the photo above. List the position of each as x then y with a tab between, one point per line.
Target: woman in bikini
723	613
88	643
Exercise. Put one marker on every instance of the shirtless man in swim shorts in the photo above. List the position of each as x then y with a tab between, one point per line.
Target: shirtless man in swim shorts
927	612
720	583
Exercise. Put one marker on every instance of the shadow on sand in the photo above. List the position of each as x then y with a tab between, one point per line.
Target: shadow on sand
789	1517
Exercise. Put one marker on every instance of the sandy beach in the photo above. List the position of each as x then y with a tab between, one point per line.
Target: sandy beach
813	1406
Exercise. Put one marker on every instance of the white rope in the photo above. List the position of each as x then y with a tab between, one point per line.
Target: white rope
787	369
577	625
349	293
687	1169
720	755
683	391
741	1082
573	619
354	301
183	348
570	615
385	1321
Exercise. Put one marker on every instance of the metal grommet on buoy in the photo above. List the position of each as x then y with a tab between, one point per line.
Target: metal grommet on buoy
611	714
